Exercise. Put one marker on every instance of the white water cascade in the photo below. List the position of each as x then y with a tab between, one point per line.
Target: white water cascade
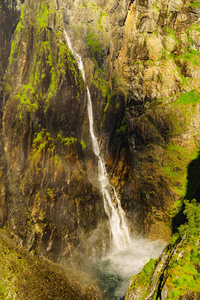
112	204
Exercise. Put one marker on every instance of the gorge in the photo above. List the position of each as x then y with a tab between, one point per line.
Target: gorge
100	144
122	247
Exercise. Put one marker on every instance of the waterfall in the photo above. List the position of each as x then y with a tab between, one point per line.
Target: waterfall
112	204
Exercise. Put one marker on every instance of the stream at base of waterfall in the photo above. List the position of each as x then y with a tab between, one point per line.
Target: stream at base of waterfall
128	255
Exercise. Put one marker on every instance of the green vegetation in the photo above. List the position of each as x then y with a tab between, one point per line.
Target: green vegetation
180	273
42	18
183	53
101	83
179	118
27	93
83	144
57	161
121	126
195	3
84	4
105	14
156	6
170	31
191	229
22	15
50	194
175	167
66	140
47	66
95	7
19	27
190	55
107	89
42	143
93	44
190	97
12	50
141	280
143	276
183	268
117	105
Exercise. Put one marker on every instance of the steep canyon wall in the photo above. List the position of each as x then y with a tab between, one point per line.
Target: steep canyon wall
141	60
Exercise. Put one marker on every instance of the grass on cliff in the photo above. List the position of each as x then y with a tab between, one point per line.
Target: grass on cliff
141	280
195	3
24	276
191	97
183	272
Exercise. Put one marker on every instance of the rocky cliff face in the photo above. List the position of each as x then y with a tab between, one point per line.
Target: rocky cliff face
10	12
148	51
43	128
163	106
141	60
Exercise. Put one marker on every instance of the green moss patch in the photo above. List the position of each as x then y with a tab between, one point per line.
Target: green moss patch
192	97
195	3
42	17
182	272
141	280
83	144
66	140
45	70
42	143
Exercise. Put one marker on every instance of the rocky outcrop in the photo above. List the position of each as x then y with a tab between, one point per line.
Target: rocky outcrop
175	275
9	16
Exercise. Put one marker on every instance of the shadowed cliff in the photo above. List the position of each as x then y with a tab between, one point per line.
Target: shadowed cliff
175	274
193	178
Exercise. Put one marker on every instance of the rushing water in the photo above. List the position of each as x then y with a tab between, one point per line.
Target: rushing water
112	205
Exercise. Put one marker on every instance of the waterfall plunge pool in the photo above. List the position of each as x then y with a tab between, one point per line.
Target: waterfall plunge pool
113	272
